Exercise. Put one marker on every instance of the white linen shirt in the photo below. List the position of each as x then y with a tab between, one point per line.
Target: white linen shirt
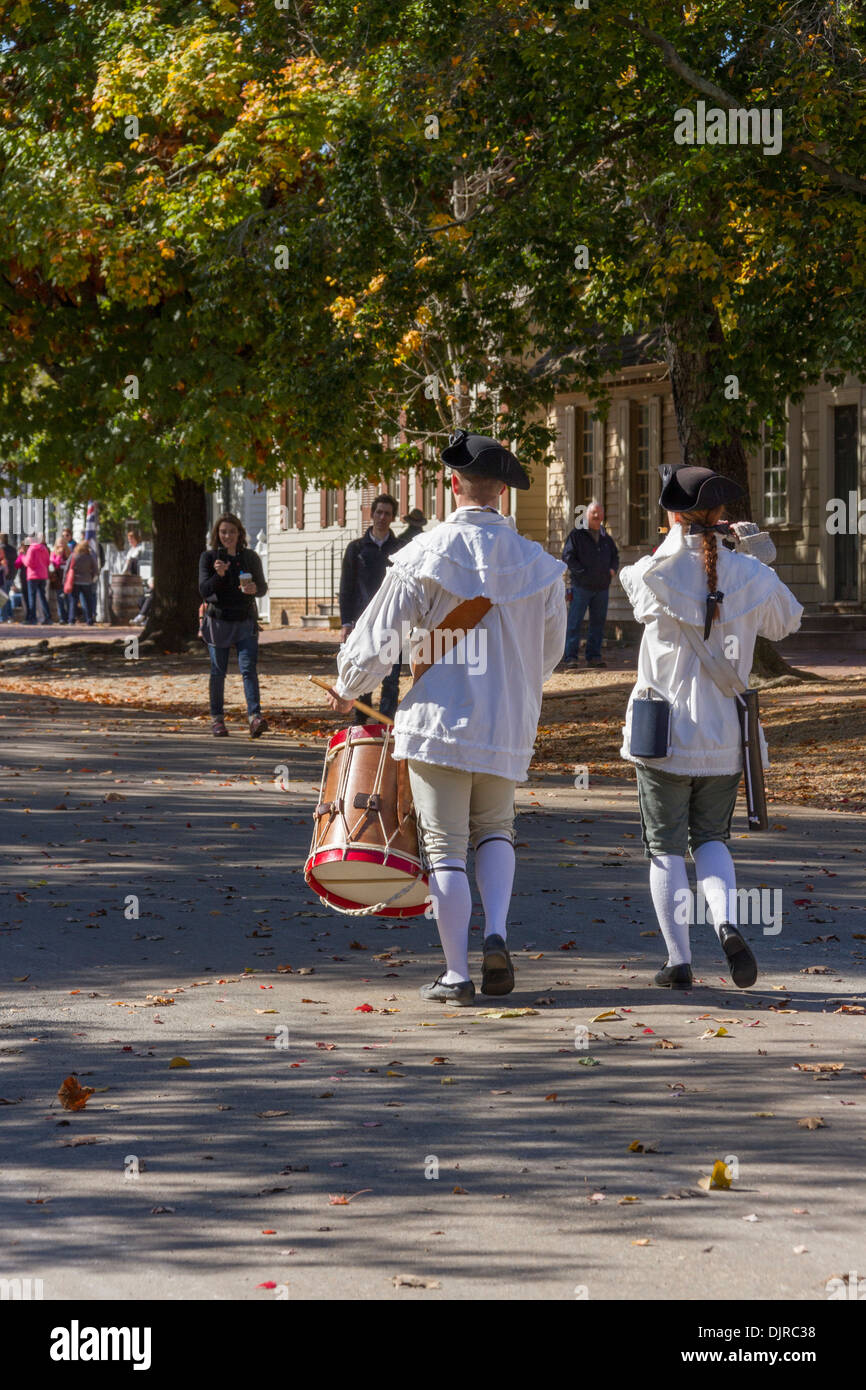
670	588
477	710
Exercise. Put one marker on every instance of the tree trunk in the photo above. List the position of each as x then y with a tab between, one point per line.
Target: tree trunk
696	367
179	537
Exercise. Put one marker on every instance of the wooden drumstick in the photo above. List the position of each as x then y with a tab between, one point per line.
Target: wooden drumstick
359	704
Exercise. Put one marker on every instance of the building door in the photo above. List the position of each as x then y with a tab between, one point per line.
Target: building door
844	484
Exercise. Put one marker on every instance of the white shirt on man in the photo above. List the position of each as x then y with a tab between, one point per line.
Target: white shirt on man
479	710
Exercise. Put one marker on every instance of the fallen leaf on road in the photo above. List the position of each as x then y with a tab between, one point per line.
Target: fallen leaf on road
268	1284
72	1095
718	1178
801	1250
637	1147
160	1211
505	1013
364	1009
551	1096
178	1062
623	1201
608	1015
666	1043
850	1009
414	1281
341	1200
644	1241
271	1114
588	1062
81	1139
751	1217
460	1191
811	1122
818	1066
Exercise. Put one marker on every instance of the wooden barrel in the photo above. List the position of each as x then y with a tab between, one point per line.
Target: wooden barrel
126	593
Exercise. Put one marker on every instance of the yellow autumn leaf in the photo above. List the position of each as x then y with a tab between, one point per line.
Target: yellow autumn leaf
506	1013
608	1014
178	1062
718	1178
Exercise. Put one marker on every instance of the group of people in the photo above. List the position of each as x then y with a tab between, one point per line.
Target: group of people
63	578
468	736
59	584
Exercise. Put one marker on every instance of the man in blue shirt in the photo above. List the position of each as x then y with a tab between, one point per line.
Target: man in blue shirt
592	560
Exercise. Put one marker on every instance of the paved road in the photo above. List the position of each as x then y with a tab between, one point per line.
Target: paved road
530	1138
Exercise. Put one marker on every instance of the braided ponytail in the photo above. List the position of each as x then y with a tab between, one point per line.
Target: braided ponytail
710	543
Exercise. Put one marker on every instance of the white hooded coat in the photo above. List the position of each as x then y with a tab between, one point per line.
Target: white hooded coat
670	588
479	714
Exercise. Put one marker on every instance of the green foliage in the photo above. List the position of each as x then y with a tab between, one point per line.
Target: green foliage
272	268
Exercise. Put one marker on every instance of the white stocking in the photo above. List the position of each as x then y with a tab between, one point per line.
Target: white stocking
452	906
494	874
669	887
717	880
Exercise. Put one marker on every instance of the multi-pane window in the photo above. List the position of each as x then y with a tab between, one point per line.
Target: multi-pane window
428	505
774	482
641	474
585	472
329	510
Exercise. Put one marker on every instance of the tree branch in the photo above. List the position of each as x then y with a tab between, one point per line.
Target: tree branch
678	64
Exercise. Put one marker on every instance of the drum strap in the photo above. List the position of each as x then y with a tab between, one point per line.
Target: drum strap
460	620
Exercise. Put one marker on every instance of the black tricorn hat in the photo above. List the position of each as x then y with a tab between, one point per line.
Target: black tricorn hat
692	489
480	457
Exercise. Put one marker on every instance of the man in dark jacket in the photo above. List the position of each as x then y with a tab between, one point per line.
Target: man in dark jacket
592	560
415	523
364	564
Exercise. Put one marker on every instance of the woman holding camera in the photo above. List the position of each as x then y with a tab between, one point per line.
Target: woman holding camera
230	578
695	590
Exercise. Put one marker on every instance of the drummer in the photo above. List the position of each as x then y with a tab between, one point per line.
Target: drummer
468	725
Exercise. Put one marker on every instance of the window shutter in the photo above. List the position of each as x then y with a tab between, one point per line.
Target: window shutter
621	416
404	493
284	504
323	507
341	506
598	459
299	505
655	421
366	499
440	497
571	424
795	465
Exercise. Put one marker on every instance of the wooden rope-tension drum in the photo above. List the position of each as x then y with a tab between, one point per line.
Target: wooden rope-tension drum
364	858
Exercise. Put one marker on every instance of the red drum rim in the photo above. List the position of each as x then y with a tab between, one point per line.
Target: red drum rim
355	732
335	900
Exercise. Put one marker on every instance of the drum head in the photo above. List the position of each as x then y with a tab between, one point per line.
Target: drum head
365	877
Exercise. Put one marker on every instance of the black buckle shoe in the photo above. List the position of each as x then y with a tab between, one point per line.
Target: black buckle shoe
461	993
741	960
497	972
675	977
